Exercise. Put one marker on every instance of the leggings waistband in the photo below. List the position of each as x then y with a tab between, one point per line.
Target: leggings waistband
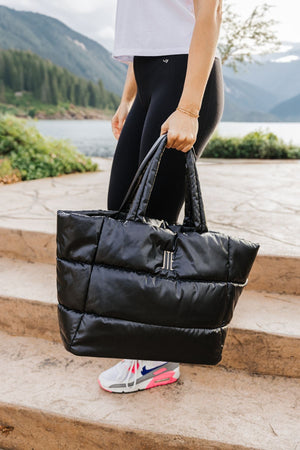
155	57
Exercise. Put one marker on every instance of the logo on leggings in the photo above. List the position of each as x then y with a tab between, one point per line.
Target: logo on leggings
165	60
168	260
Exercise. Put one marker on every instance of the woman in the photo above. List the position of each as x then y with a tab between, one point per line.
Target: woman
174	85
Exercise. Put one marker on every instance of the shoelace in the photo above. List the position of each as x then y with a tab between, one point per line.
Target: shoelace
134	364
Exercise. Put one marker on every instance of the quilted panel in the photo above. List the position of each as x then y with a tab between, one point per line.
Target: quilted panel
156	300
133	245
77	236
69	322
201	256
115	338
72	283
242	254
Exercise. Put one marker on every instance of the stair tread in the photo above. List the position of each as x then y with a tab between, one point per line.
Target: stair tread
268	312
215	403
256	311
27	280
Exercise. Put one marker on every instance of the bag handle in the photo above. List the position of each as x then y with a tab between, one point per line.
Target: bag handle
138	176
193	192
194	209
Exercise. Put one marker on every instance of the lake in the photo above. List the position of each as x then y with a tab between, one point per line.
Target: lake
95	137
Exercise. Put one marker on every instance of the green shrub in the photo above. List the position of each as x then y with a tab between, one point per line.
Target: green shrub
36	156
7	173
256	144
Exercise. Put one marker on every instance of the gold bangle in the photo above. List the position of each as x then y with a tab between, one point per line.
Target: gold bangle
187	112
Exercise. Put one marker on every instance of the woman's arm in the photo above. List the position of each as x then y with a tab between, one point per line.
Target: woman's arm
130	88
182	129
128	95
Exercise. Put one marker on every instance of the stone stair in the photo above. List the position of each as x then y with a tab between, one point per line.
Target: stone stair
50	399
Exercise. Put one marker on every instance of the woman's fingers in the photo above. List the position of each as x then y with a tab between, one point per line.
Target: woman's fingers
180	141
181	131
119	118
117	125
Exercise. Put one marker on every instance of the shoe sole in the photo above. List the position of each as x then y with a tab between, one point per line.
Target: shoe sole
160	379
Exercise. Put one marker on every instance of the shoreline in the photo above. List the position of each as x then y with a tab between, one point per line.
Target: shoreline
71	112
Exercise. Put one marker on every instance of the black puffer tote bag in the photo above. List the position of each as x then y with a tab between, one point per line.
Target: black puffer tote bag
136	287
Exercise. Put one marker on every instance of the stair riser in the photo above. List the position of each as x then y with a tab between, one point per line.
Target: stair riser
262	353
254	352
28	245
275	274
33	429
269	273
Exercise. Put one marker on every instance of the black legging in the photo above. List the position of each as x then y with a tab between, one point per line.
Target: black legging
160	81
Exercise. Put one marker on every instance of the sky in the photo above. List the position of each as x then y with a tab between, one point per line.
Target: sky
95	18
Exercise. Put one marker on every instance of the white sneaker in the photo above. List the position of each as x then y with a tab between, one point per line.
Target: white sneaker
130	375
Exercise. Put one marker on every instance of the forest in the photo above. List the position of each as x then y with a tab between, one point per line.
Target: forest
23	72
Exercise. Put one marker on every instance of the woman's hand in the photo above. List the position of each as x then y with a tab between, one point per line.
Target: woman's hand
119	118
182	131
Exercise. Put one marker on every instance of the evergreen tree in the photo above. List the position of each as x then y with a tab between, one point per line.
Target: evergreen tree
2	91
48	83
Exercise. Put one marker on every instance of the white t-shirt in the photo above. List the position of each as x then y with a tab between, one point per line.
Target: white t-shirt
153	27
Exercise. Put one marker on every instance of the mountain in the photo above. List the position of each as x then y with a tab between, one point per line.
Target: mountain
51	39
246	102
289	110
278	73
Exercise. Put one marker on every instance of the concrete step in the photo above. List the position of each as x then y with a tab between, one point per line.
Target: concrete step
263	335
50	396
28	245
269	272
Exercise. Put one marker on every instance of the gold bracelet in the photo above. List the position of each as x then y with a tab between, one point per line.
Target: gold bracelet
187	112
